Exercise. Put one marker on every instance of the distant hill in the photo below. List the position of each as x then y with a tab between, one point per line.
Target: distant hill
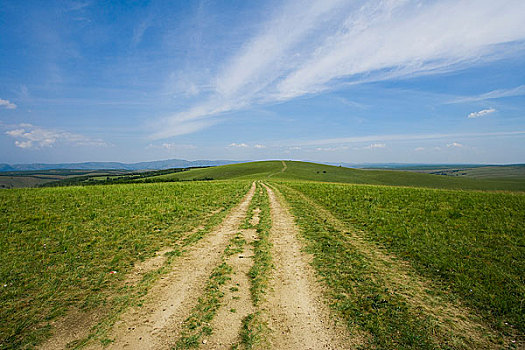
154	165
293	170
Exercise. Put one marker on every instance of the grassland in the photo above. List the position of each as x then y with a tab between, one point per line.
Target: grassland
59	245
327	173
509	173
398	252
469	243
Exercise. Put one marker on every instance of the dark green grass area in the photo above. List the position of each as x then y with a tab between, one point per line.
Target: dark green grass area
327	173
473	242
36	178
508	173
59	245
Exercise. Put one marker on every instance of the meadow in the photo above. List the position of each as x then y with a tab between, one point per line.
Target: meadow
304	171
470	244
59	246
398	252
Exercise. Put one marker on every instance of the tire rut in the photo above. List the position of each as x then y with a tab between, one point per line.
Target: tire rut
76	325
297	315
237	302
454	318
157	323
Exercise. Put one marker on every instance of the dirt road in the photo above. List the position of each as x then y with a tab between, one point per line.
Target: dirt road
298	317
294	308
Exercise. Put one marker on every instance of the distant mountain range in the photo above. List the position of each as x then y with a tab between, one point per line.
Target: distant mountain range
155	165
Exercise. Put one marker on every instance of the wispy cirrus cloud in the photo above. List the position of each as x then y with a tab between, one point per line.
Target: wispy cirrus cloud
309	48
7	104
494	94
380	140
481	113
29	136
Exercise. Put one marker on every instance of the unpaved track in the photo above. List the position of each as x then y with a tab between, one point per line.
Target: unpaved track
157	323
237	302
284	166
76	325
282	170
297	315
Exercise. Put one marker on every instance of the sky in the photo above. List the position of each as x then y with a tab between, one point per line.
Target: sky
390	81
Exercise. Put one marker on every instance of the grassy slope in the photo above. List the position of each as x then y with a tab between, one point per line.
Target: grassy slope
471	241
327	173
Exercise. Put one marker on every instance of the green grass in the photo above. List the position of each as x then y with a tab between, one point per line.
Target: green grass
36	178
356	291
472	242
58	245
326	173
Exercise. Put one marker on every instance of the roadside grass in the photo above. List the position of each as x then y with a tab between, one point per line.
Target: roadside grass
198	324
59	245
470	242
356	291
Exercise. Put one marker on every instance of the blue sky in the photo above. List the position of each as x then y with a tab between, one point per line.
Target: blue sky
329	80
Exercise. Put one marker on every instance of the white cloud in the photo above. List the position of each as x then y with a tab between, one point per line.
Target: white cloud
174	146
259	146
481	113
400	137
7	104
454	145
331	149
419	149
238	145
308	48
28	136
375	145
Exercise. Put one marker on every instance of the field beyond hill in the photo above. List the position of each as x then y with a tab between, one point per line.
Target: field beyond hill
263	255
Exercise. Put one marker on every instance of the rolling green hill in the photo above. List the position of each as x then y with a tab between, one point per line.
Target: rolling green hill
293	170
